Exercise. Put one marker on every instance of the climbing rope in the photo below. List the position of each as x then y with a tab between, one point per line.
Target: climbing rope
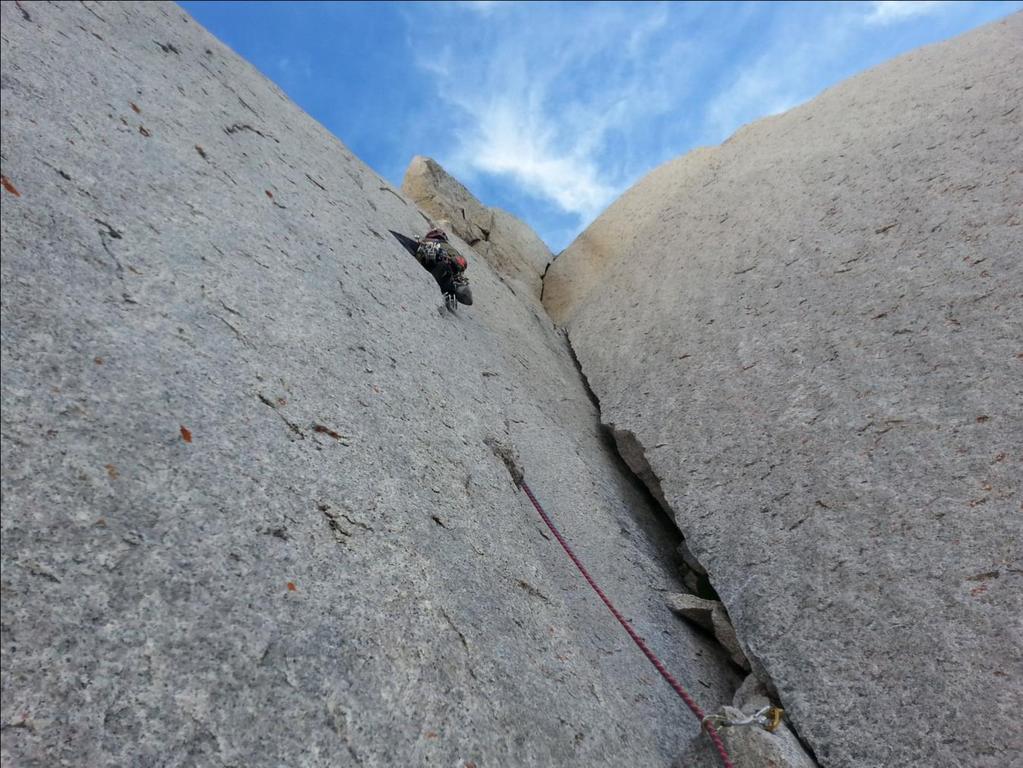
658	664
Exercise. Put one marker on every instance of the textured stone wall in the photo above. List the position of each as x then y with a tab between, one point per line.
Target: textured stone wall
252	510
813	334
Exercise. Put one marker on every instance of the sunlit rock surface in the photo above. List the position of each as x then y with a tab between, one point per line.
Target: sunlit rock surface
251	511
511	247
813	333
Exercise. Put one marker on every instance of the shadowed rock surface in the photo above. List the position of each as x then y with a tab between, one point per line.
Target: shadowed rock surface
251	511
814	331
509	244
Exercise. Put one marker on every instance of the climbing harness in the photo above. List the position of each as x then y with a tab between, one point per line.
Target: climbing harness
640	643
768	718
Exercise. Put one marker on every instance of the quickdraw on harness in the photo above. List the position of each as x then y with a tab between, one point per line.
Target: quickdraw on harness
705	720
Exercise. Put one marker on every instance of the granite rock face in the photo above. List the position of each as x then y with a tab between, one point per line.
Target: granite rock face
256	506
814	334
509	244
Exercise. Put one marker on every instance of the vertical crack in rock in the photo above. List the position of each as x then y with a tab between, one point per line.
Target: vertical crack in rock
703	608
543	278
579	367
841	500
626	446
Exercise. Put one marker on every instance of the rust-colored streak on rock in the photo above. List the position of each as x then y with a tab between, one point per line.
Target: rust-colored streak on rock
9	187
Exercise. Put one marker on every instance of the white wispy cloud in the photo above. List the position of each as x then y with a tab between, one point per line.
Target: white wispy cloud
289	67
801	52
562	106
885	12
544	122
760	90
520	145
484	7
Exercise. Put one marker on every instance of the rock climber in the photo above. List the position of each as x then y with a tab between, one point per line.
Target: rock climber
446	265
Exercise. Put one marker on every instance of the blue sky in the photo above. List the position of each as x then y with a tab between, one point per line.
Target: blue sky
551	110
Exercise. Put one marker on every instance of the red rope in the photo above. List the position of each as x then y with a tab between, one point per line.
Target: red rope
658	664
